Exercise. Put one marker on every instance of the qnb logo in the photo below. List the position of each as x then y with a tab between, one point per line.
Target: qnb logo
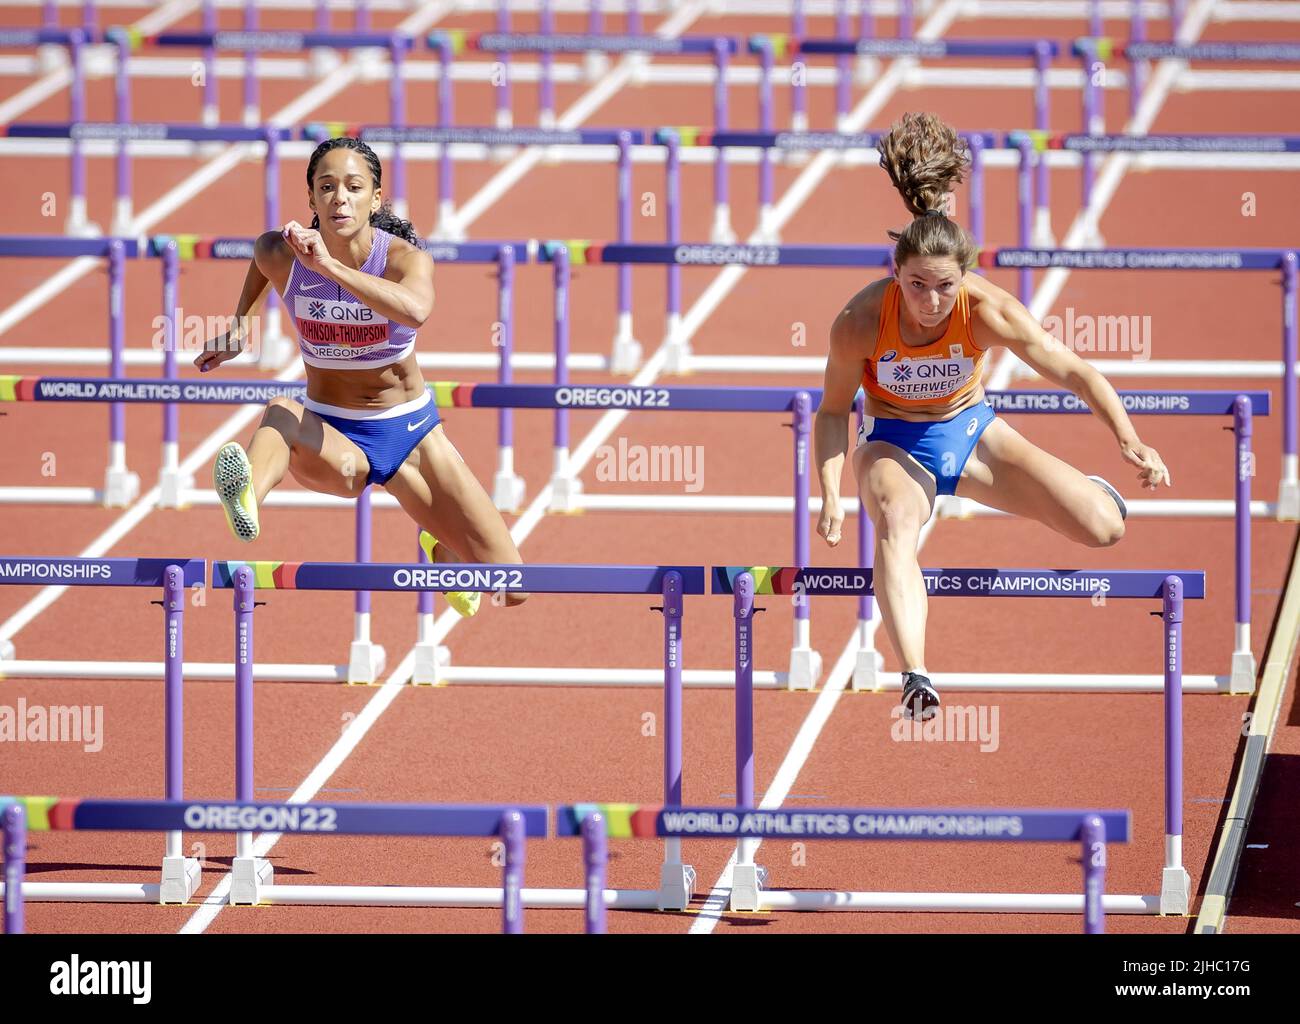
74	977
317	308
903	372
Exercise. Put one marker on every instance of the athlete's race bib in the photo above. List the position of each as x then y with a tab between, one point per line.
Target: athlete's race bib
338	329
932	377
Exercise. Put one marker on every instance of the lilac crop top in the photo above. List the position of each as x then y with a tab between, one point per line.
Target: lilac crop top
336	330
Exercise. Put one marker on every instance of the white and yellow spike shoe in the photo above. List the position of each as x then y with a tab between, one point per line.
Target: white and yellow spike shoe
465	603
233	478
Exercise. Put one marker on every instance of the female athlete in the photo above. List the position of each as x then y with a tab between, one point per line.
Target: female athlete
916	343
358	286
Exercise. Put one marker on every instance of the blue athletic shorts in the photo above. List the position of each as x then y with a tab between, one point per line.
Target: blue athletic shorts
942	447
387	436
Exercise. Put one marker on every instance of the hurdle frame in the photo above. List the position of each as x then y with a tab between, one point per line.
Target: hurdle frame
253	877
1171	587
597	823
513	823
179	875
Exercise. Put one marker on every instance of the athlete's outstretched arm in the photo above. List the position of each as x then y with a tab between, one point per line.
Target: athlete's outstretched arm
408	301
257	285
1004	321
844	368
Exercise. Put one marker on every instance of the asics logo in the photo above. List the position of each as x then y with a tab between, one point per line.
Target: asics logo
970	427
416	426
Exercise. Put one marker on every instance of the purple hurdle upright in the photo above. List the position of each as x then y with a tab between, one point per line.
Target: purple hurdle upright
1025	201
626	352
805	663
1243	658
1093	837
180	874
252	116
564	486
676	880
122	209
747	877
77	224
512	888
247	872
1289	488
447	229
595	855
15	854
1042	124
397	116
843	69
864	669
507	486
211	97
677	349
1175	883
504	118
546	87
722	233
120	485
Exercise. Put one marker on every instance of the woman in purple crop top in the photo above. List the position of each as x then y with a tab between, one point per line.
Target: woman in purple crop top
357	285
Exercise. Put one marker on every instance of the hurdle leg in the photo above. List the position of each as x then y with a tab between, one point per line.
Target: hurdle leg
1093	835
249	875
121	486
747	878
625	356
429	657
722	232
508	487
1242	673
15	855
512	903
869	661
180	874
365	657
1175	883
805	663
565	487
676	880
595	855
1288	493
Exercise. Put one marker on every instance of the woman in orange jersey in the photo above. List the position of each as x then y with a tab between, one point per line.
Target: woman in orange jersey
916	343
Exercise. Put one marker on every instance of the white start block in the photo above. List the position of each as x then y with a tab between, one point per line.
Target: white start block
180	879
747	881
248	876
366	661
805	669
121	487
1175	891
676	886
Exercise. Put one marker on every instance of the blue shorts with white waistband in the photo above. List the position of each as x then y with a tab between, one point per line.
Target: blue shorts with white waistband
387	440
943	447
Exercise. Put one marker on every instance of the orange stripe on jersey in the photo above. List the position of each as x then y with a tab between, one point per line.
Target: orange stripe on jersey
939	375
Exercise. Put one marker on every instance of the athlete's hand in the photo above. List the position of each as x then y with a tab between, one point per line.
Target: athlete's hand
218	350
1153	470
831	520
307	245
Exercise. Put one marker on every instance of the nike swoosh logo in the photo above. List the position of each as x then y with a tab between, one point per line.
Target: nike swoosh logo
309	287
416	426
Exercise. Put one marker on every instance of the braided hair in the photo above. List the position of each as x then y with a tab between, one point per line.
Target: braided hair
383	218
925	159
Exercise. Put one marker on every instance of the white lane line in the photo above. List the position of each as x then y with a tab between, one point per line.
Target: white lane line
1041	302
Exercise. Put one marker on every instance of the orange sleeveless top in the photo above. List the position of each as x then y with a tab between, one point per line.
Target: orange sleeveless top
939	375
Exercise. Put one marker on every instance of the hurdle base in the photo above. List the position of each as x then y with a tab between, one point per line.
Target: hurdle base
366	661
805	669
172	488
1175	892
866	70
448	229
324	61
249	876
676	886
564	493
180	879
1243	672
747	881
7	651
626	353
508	491
866	672
121	487
429	661
276	351
596	65
52	58
1042	237
722	232
1288	501
768	233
